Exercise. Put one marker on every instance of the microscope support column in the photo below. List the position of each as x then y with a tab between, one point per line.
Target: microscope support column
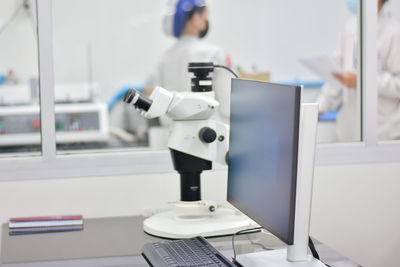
189	168
190	186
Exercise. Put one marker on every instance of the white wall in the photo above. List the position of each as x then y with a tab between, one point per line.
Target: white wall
355	207
356	210
273	35
18	48
126	40
395	7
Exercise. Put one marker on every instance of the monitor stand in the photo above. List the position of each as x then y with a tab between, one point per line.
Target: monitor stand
275	258
188	220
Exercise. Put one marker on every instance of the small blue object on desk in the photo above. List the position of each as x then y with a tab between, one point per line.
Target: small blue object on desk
330	115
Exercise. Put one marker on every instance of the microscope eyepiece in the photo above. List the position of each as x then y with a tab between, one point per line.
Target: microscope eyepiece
137	99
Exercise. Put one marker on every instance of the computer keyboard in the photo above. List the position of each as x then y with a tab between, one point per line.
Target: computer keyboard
184	253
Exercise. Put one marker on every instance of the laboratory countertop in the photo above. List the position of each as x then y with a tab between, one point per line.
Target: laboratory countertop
117	241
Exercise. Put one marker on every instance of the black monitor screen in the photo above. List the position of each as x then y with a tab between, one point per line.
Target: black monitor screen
263	149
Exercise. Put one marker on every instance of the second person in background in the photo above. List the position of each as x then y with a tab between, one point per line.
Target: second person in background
348	126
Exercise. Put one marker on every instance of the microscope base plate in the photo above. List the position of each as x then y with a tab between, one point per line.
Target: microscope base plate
223	221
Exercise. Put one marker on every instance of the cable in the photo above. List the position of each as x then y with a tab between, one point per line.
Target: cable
312	248
13	16
259	243
314	251
228	69
241	232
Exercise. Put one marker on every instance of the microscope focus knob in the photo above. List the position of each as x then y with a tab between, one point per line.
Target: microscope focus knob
207	135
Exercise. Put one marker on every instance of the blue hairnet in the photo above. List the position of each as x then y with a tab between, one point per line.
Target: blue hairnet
183	7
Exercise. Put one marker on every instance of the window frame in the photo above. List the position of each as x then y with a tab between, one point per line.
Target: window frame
51	165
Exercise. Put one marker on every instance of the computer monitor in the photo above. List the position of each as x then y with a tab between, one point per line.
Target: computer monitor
263	154
271	159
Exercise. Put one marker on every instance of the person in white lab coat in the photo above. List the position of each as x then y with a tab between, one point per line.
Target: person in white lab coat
388	80
187	21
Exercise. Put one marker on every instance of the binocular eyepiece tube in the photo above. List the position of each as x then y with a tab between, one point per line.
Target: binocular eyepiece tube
137	99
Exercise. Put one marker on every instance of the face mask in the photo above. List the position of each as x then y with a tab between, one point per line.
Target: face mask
352	5
204	32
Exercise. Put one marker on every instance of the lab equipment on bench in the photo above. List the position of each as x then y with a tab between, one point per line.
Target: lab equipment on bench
195	141
27	94
79	116
75	92
74	122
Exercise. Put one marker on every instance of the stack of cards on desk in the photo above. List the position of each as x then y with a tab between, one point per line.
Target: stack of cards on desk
47	224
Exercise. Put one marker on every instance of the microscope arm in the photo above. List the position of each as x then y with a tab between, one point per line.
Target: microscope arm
206	139
181	106
192	132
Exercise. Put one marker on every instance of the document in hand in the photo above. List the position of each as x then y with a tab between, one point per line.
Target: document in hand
323	66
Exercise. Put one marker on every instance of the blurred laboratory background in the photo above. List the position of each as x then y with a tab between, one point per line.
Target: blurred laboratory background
104	47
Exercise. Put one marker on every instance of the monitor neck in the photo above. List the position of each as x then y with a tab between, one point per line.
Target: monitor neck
305	174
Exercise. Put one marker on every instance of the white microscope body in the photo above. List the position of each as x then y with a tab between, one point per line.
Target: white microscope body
190	113
195	141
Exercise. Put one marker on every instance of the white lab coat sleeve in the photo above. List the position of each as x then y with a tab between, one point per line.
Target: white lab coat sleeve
389	84
389	78
330	98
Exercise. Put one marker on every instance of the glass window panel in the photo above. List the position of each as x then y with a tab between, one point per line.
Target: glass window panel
299	42
19	103
388	82
103	47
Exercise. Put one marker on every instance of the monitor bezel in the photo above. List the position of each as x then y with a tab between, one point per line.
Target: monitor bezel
288	239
